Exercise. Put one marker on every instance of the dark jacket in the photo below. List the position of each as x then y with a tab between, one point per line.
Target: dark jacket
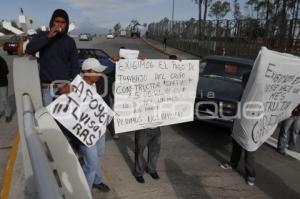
58	56
3	72
296	111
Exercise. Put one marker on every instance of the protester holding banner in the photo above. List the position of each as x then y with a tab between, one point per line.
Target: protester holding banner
58	56
150	138
237	151
289	131
147	138
93	155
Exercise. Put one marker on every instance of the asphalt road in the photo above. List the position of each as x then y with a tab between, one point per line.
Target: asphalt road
190	154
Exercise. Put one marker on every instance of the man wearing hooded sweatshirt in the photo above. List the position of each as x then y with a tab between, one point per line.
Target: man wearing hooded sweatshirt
58	56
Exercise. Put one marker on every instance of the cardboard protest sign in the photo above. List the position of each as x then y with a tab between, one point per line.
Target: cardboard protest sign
152	93
129	54
83	112
272	92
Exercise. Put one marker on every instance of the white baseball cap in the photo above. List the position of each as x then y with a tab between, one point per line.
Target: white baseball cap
93	64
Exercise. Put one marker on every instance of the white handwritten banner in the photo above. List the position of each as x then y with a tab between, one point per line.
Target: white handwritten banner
83	112
152	93
272	92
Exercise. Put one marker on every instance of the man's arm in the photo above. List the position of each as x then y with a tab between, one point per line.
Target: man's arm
42	39
75	68
37	43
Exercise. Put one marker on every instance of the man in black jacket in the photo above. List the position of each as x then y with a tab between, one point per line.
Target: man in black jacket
58	56
4	89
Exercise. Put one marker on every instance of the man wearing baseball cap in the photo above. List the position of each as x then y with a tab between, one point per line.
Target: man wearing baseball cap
92	157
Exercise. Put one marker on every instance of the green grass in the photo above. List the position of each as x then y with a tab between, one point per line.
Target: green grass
2	42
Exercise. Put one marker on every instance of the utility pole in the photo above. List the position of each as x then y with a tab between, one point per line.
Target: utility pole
172	24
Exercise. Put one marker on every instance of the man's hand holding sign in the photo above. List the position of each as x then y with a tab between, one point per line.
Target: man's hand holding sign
82	111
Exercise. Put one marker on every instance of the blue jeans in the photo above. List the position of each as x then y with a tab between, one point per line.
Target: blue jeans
289	132
5	100
48	95
92	158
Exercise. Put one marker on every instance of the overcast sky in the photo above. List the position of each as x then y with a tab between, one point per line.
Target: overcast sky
100	13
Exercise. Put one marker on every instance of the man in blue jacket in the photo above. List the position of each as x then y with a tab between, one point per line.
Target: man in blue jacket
58	56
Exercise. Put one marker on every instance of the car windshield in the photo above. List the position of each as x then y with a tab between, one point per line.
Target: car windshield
223	70
14	39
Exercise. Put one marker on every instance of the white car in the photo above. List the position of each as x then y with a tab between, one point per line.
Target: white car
110	36
85	37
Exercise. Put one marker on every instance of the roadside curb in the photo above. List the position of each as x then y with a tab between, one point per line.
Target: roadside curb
9	168
273	143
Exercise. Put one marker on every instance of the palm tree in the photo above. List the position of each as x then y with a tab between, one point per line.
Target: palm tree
199	2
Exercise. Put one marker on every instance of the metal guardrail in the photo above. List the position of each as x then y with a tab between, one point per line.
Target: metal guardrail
46	184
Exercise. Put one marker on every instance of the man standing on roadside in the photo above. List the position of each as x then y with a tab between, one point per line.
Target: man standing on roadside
92	71
165	43
289	132
237	151
4	89
58	56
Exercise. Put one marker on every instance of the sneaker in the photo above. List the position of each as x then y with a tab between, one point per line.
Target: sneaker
154	175
140	179
282	152
293	148
250	183
8	119
101	187
225	166
250	180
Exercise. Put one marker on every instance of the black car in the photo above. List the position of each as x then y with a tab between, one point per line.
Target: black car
101	55
12	44
219	88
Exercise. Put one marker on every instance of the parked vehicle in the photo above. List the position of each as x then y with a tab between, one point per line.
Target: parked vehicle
11	45
85	37
110	36
123	33
101	55
219	88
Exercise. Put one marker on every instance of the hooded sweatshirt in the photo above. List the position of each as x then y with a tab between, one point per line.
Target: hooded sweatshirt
58	55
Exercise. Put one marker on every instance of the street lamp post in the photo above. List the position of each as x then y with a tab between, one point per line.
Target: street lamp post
172	15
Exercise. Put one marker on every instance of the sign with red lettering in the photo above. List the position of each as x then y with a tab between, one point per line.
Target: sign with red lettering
83	112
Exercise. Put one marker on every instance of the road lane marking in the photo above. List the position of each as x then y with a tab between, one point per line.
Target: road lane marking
9	168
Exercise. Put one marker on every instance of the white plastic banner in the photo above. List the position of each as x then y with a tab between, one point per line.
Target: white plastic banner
129	54
152	93
83	112
272	92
